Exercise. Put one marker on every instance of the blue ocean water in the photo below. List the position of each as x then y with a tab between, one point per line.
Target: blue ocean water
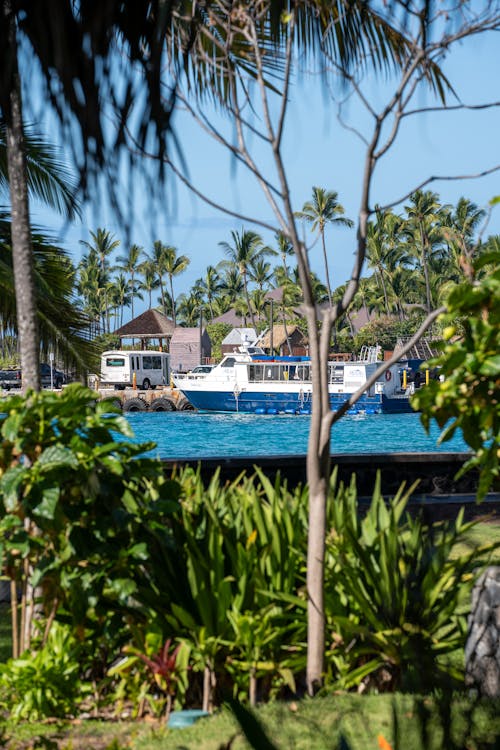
200	435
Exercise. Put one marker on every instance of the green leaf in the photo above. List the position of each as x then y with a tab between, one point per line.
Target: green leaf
47	508
10	486
56	456
491	366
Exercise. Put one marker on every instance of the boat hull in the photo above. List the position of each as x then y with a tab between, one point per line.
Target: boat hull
254	402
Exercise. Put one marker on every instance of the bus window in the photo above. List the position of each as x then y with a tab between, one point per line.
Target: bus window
115	362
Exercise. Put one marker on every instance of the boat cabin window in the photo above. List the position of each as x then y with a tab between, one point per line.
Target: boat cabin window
303	372
277	371
229	362
336	375
115	362
256	373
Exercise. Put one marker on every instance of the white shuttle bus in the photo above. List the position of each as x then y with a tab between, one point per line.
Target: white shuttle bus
150	369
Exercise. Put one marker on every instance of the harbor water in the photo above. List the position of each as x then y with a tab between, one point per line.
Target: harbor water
193	435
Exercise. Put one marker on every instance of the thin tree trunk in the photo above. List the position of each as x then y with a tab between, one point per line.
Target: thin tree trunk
208	687
252	688
14	618
22	254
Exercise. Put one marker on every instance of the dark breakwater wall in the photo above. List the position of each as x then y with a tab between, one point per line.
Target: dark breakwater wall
439	492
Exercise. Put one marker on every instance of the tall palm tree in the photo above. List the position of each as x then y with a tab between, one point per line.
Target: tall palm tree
103	243
211	284
188	309
231	282
157	259
120	294
285	250
425	228
62	323
173	265
130	264
28	168
150	281
261	273
384	242
246	248
324	209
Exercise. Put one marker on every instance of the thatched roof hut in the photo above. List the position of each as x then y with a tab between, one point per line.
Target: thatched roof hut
282	338
152	324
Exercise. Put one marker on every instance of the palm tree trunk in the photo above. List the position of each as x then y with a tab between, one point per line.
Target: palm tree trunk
250	311
327	272
172	298
425	267
22	254
384	290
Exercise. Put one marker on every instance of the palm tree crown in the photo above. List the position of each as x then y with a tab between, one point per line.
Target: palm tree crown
324	209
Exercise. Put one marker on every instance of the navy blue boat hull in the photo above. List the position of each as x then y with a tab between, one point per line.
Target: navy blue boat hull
293	403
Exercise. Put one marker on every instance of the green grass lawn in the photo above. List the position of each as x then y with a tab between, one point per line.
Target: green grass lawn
485	532
315	724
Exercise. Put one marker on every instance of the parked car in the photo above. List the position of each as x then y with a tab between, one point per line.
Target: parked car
13	378
10	379
58	377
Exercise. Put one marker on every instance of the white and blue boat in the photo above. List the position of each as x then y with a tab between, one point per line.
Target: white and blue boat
249	381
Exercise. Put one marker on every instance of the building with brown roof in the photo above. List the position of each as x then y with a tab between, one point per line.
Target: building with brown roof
285	339
152	325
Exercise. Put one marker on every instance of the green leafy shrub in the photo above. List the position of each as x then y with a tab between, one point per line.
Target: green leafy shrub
397	599
468	396
43	683
84	515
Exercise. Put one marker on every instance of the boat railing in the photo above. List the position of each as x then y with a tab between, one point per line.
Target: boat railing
370	353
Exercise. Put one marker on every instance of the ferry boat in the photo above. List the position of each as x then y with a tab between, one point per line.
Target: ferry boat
249	381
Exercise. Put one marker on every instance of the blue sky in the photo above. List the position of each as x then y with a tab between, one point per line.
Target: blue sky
318	151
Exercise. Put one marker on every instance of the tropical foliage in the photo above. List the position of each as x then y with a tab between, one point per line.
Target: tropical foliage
417	258
468	396
192	590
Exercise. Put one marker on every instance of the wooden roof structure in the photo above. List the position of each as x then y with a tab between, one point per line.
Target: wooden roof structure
152	324
279	336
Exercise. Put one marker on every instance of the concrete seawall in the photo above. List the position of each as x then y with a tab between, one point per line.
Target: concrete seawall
438	491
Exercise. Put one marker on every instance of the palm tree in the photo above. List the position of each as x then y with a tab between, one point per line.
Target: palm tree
120	294
157	259
384	243
130	264
424	228
261	273
285	250
103	244
247	247
150	280
62	323
173	265
231	282
189	309
211	284
322	210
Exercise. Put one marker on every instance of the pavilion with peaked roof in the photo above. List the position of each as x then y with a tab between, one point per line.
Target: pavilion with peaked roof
284	338
152	324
